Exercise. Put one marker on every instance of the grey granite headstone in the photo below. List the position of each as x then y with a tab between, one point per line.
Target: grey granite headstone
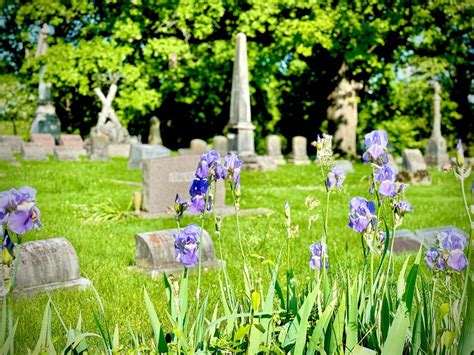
429	235
45	140
266	163
220	145
66	153
413	160
142	152
155	253
164	178
274	149
406	241
33	151
6	152
345	165
299	154
198	146
99	147
121	150
13	141
72	141
46	265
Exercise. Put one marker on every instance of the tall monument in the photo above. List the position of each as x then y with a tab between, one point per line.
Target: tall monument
436	152
46	120
240	127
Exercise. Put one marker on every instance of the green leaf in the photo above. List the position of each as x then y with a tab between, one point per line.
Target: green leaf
241	333
160	341
397	333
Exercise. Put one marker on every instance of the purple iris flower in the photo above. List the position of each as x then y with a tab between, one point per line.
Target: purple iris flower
211	157
376	143
457	260
459	147
186	245
318	254
232	164
335	178
434	259
385	172
361	214
402	207
202	171
450	240
388	188
198	187
19	211
220	171
197	204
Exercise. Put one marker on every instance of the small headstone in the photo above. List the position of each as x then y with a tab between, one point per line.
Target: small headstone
99	147
72	141
155	135
345	165
406	241
119	150
220	145
6	152
266	163
198	146
142	152
392	161
66	153
274	149
46	265
299	154
13	141
413	160
45	140
155	253
164	178
428	236
33	151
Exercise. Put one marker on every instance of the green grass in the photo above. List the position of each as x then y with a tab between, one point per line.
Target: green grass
107	250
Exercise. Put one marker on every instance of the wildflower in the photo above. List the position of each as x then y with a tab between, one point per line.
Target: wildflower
335	178
434	259
7	249
19	211
198	191
385	173
450	240
457	260
324	150
376	143
186	245
459	154
179	206
361	214
318	255
232	164
388	188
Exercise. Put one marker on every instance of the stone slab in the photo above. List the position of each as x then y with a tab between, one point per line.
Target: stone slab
406	241
428	236
33	151
223	211
99	147
72	140
14	142
66	153
45	140
119	150
266	163
220	145
6	152
299	155
142	152
46	265
413	160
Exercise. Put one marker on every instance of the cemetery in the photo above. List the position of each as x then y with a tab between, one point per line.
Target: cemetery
258	178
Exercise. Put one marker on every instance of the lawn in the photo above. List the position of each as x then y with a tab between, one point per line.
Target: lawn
68	192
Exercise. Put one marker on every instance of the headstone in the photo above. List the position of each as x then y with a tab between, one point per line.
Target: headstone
266	163
119	150
142	152
299	155
155	135
429	236
47	265
345	165
274	149
13	141
392	161
99	147
413	160
33	151
240	127
406	241
45	140
66	153
155	253
46	120
73	141
6	152
436	151
164	178
198	147
220	145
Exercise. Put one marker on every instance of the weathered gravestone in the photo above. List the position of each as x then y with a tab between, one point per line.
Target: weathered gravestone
45	140
73	141
196	147
155	135
406	241
6	152
33	151
99	147
299	155
345	165
220	145
274	149
46	265
429	236
142	152
164	178
155	253
13	141
119	150
413	160
266	163
66	153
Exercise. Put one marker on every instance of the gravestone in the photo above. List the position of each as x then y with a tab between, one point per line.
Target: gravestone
436	151
345	165
220	145
155	135
13	141
406	241
33	151
413	160
392	161
119	150
45	140
240	127
66	153
429	235
274	149
266	163
142	152
99	147
73	141
196	147
47	265
6	152
299	155
155	253
164	178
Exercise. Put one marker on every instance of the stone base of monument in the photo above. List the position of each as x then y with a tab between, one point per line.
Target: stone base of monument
155	253
223	211
266	163
46	265
299	161
420	177
119	150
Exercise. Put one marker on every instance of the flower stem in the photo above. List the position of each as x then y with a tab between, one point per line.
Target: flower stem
469	247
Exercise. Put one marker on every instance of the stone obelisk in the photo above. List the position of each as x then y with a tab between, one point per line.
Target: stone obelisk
240	127
436	152
46	120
